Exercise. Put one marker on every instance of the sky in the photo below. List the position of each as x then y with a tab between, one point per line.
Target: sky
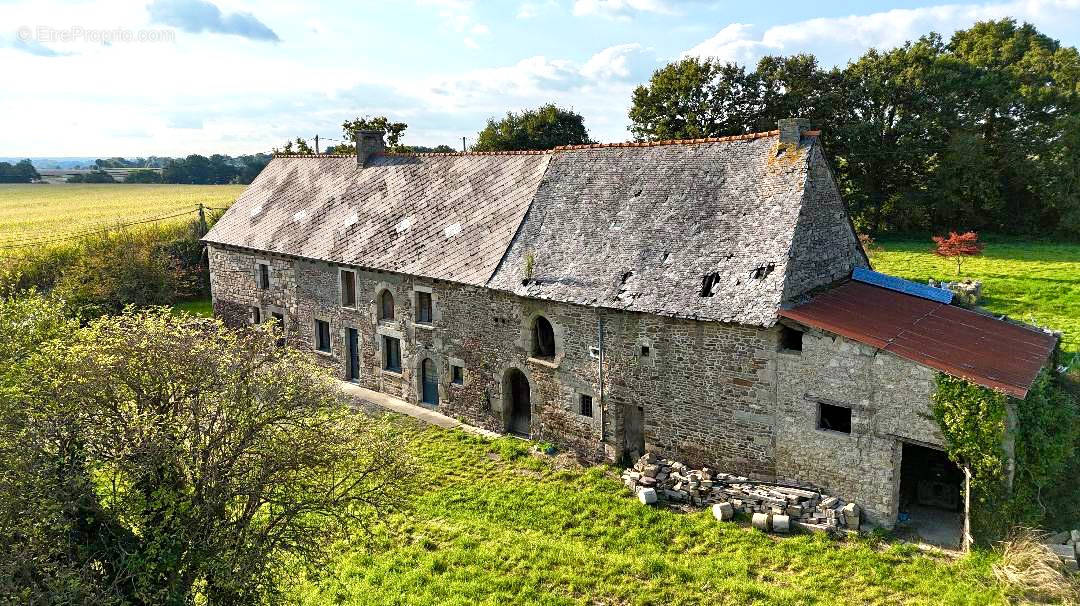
175	77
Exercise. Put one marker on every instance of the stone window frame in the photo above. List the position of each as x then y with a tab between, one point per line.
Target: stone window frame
529	340
645	344
456	364
384	289
818	403
329	351
418	376
384	332
416	290
259	264
355	287
586	400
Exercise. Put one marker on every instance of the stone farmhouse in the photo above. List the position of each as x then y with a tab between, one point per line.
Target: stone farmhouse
706	300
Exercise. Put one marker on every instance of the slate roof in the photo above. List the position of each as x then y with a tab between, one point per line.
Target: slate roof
638	228
632	226
989	352
447	217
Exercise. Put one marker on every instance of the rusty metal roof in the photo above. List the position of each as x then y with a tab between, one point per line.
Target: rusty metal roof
984	350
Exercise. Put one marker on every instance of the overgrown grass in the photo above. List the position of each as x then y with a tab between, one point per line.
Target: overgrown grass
497	526
37	211
1030	281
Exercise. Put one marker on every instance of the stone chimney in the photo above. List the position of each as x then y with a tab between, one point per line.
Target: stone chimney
368	143
791	130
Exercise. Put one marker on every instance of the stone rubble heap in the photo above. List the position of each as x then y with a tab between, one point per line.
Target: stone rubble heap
968	292
774	508
1066	545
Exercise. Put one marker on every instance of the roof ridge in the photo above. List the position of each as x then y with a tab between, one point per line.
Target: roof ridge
725	139
532	152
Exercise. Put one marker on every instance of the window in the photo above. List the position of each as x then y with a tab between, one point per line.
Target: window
644	351
322	336
585	405
543	338
834	418
423	307
790	339
348	288
457	375
264	276
386	305
391	354
256	315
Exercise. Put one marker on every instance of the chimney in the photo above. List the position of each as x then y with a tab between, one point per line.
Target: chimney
792	129
368	143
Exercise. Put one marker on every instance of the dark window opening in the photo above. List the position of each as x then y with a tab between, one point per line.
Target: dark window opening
761	271
834	418
256	315
586	405
790	339
348	288
423	307
264	276
543	338
644	351
386	305
708	281
392	354
322	336
457	375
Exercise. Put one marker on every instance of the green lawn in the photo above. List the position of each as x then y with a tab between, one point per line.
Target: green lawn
1030	281
201	307
496	526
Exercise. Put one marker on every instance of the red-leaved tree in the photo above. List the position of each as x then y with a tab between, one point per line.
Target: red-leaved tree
958	246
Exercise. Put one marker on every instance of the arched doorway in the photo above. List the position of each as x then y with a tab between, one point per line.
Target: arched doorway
516	402
429	383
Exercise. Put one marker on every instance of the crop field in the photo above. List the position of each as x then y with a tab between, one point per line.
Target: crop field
33	214
1036	282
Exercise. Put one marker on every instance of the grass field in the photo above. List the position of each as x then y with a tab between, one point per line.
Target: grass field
1031	281
33	212
496	525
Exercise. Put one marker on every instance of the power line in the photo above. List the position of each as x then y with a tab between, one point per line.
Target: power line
50	239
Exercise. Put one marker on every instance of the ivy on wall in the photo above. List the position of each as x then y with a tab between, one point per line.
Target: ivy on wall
973	421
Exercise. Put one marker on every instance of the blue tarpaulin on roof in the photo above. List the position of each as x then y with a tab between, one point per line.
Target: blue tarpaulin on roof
901	285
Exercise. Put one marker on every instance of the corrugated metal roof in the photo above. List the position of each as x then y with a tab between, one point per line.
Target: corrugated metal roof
982	349
923	291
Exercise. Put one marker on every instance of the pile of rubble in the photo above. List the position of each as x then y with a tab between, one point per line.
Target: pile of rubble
774	508
968	292
1066	545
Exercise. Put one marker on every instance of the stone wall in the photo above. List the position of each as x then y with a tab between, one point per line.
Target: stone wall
712	394
889	398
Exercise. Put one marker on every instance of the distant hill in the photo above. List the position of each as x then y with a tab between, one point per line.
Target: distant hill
48	162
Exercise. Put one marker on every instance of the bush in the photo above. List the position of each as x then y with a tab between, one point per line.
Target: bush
143	176
149	457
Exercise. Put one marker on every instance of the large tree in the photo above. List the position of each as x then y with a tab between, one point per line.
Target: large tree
545	127
182	456
393	131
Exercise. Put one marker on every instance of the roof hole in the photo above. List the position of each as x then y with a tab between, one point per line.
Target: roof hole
708	281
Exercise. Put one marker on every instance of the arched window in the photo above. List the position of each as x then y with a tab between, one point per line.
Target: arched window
386	305
429	382
543	338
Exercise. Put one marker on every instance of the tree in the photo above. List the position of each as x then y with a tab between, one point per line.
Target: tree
545	127
143	176
21	172
392	130
196	456
958	246
692	98
302	147
95	176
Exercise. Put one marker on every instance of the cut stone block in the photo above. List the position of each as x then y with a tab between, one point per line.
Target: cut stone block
647	496
723	511
852	516
761	521
781	524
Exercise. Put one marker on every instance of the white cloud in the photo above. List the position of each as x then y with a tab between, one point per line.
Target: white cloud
457	16
612	62
835	39
620	9
530	10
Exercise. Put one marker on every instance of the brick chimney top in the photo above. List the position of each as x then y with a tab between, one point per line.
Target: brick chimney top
792	129
368	143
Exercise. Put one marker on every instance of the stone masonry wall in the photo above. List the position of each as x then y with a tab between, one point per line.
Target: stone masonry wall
890	402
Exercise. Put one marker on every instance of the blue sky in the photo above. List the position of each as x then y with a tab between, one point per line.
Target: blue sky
172	77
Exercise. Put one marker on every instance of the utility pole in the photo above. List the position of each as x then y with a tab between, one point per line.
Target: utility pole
463	144
316	144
